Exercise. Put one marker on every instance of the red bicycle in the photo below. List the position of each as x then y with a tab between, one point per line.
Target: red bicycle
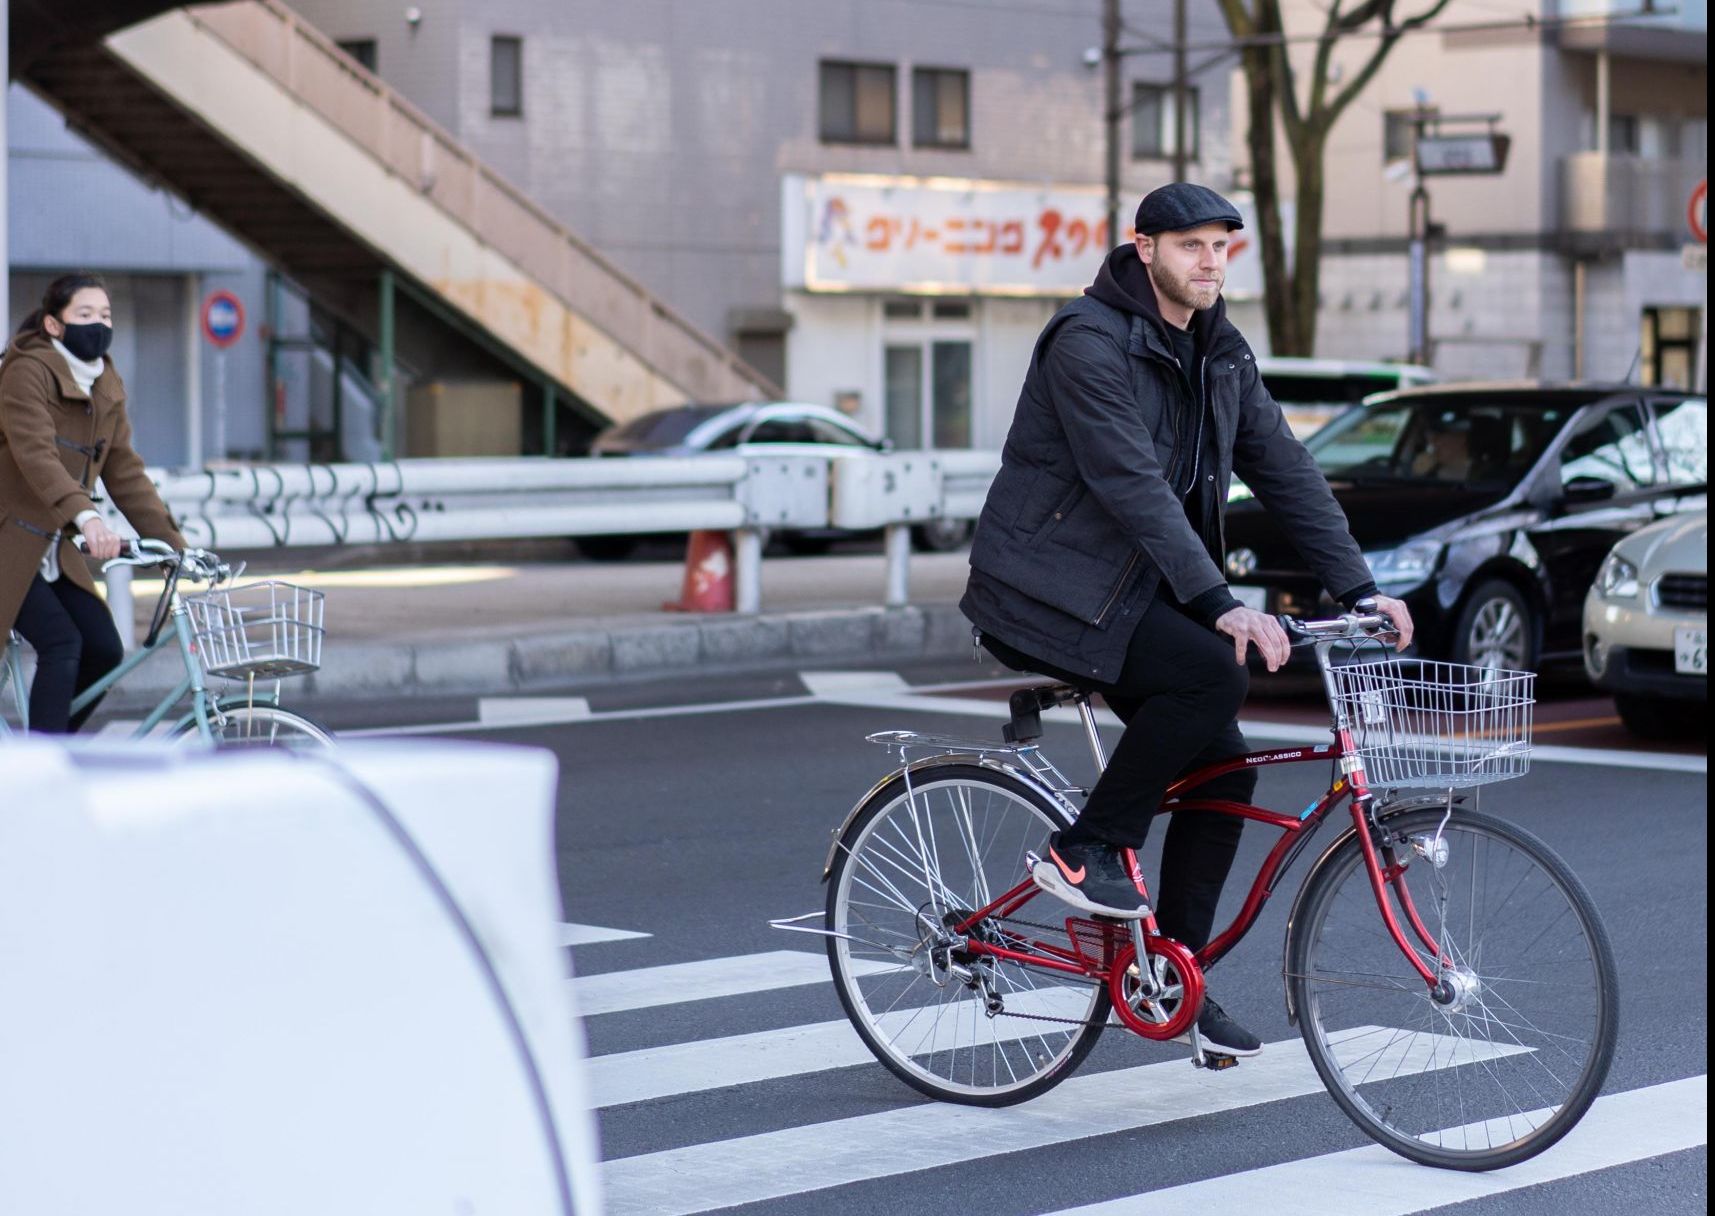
1453	984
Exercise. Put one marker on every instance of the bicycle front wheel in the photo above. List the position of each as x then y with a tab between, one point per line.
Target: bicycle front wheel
263	726
957	1026
1510	1054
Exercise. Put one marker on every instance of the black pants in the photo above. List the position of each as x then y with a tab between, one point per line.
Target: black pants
75	642
1178	693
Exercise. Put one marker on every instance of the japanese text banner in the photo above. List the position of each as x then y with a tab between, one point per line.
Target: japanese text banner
850	232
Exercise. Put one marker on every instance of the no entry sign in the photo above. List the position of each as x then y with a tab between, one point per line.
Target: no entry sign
222	318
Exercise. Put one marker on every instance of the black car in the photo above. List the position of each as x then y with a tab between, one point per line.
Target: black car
1487	508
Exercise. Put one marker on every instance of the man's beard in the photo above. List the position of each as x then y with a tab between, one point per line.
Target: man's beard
1183	292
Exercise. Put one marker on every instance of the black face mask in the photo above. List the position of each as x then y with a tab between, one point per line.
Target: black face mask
88	342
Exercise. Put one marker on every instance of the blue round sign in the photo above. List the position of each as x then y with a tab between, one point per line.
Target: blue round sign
222	318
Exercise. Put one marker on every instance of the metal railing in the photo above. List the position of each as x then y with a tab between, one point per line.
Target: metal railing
416	501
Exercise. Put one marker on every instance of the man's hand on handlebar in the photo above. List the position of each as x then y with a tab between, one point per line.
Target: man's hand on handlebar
1248	627
100	541
1400	615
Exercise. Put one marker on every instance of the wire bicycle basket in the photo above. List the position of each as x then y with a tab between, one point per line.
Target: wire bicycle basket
264	631
1425	723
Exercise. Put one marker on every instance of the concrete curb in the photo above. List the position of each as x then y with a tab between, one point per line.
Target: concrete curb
596	652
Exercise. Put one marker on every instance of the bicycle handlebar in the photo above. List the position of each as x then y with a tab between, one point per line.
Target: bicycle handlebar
198	564
1366	622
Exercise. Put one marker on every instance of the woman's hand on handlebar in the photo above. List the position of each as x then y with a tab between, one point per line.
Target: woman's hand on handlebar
1400	615
100	541
1248	627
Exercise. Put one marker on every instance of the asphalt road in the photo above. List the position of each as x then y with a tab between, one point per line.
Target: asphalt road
693	813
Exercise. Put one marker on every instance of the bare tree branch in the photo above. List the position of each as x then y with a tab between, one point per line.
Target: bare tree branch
1366	73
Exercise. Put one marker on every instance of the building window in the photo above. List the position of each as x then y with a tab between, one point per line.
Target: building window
506	77
1623	134
1152	125
858	103
1399	135
362	50
940	108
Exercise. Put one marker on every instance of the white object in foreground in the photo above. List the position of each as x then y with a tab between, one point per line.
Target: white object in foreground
269	984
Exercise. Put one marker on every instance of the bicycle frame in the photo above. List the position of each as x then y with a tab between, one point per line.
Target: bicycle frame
1296	831
204	704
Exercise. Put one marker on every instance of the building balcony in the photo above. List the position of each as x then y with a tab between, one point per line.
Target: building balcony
1627	201
1680	35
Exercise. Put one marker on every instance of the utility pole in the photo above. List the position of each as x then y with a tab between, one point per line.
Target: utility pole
1112	111
1180	92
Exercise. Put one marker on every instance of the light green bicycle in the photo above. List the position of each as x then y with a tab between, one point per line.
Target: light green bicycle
257	633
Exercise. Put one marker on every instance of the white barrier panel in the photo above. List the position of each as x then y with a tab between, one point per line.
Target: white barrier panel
273	985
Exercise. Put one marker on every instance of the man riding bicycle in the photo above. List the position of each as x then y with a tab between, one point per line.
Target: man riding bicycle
1097	557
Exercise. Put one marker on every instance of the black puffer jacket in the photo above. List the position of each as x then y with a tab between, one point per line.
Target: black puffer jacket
1082	524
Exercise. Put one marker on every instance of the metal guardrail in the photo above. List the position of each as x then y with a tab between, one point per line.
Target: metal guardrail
416	501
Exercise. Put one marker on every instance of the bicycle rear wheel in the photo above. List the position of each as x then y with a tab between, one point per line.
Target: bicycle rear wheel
1512	1056
911	863
264	726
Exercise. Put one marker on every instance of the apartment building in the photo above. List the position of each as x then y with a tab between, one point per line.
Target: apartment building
876	204
1578	259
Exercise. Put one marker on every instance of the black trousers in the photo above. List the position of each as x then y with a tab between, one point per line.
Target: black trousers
1178	693
75	642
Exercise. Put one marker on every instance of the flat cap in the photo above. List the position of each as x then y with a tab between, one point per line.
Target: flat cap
1181	205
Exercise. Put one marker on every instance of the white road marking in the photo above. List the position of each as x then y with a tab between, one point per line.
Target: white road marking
725	1173
837	683
683	1068
531	711
1620	1128
649	987
589	935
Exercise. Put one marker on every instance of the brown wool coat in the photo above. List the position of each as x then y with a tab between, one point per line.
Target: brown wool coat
49	462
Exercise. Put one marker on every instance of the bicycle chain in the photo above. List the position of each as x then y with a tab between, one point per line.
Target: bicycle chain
1041	1017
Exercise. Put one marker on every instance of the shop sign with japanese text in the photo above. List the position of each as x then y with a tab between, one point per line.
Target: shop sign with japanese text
863	232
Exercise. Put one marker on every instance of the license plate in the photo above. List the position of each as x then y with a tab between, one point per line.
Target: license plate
1691	651
1250	597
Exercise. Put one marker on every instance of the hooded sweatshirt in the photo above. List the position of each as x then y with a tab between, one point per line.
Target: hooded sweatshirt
1123	283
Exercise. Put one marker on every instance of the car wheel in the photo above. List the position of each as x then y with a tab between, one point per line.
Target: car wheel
1661	717
941	535
607	548
1497	629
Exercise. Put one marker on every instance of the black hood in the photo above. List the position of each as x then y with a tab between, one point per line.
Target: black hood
1123	283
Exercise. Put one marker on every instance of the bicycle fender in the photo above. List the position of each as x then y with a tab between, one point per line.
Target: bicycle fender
189	721
932	762
1387	811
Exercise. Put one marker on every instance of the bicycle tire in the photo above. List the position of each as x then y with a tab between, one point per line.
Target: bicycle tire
1511	1066
263	726
969	1058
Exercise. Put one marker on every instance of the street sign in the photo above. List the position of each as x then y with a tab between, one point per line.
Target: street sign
222	318
1484	152
1697	212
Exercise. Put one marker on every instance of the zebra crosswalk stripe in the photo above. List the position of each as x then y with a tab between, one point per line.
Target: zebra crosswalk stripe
650	987
725	1173
1372	1181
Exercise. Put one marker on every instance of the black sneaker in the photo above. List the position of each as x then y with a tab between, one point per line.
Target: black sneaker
1096	877
1221	1034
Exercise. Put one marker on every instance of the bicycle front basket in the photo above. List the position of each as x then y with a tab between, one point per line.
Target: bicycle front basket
265	630
1422	723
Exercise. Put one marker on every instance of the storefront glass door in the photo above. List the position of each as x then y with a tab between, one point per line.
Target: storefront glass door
929	393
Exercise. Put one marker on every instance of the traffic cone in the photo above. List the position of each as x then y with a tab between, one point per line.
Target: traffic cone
708	575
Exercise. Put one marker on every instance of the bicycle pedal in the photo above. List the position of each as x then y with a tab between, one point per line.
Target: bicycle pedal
1214	1061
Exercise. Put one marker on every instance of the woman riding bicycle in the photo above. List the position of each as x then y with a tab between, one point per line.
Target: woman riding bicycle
63	426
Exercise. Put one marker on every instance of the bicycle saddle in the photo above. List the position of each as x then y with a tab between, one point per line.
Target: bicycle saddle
1026	706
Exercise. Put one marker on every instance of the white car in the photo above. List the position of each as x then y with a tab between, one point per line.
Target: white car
1646	626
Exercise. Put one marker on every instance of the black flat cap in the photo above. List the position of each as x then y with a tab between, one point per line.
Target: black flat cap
1181	205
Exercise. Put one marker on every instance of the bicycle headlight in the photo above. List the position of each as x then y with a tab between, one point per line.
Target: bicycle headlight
1404	567
1618	578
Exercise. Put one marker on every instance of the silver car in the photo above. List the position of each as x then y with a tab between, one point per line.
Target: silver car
1646	626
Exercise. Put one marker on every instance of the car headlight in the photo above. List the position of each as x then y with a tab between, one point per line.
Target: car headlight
1406	566
1618	578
